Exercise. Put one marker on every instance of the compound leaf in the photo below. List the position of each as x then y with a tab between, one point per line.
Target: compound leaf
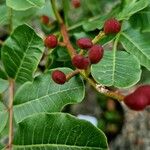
21	53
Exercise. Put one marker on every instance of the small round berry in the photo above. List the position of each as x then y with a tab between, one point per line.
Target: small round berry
59	77
80	62
96	53
45	19
84	43
144	89
51	41
136	101
112	26
76	3
86	63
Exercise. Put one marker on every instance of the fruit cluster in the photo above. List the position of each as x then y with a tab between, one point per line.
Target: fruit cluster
94	52
139	99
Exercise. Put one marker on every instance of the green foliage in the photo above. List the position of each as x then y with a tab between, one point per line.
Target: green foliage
47	96
116	69
19	17
21	53
141	20
25	4
3	116
131	8
137	44
58	131
3	85
3	75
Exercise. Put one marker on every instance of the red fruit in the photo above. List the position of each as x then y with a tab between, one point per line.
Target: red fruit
144	89
84	43
80	62
45	19
59	77
75	3
96	53
51	41
112	26
86	63
136	101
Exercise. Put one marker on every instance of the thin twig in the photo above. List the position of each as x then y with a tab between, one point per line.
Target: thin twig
101	89
71	74
62	44
69	46
58	17
98	37
11	95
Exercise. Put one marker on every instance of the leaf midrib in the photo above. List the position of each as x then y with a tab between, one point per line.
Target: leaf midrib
114	67
29	101
127	37
25	54
57	145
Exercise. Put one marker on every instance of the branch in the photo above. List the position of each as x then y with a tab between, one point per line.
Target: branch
101	89
69	46
58	17
11	95
71	74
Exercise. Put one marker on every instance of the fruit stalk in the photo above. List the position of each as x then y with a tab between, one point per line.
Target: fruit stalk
71	74
10	109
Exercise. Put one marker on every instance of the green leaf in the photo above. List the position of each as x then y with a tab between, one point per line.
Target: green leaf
21	53
3	85
25	4
44	95
145	15
137	44
3	116
3	75
5	16
141	20
18	18
131	8
93	24
58	131
118	69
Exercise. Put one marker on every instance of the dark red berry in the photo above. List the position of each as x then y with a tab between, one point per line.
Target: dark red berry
59	77
75	3
144	89
86	63
136	101
112	26
80	62
51	41
96	53
45	19
84	43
